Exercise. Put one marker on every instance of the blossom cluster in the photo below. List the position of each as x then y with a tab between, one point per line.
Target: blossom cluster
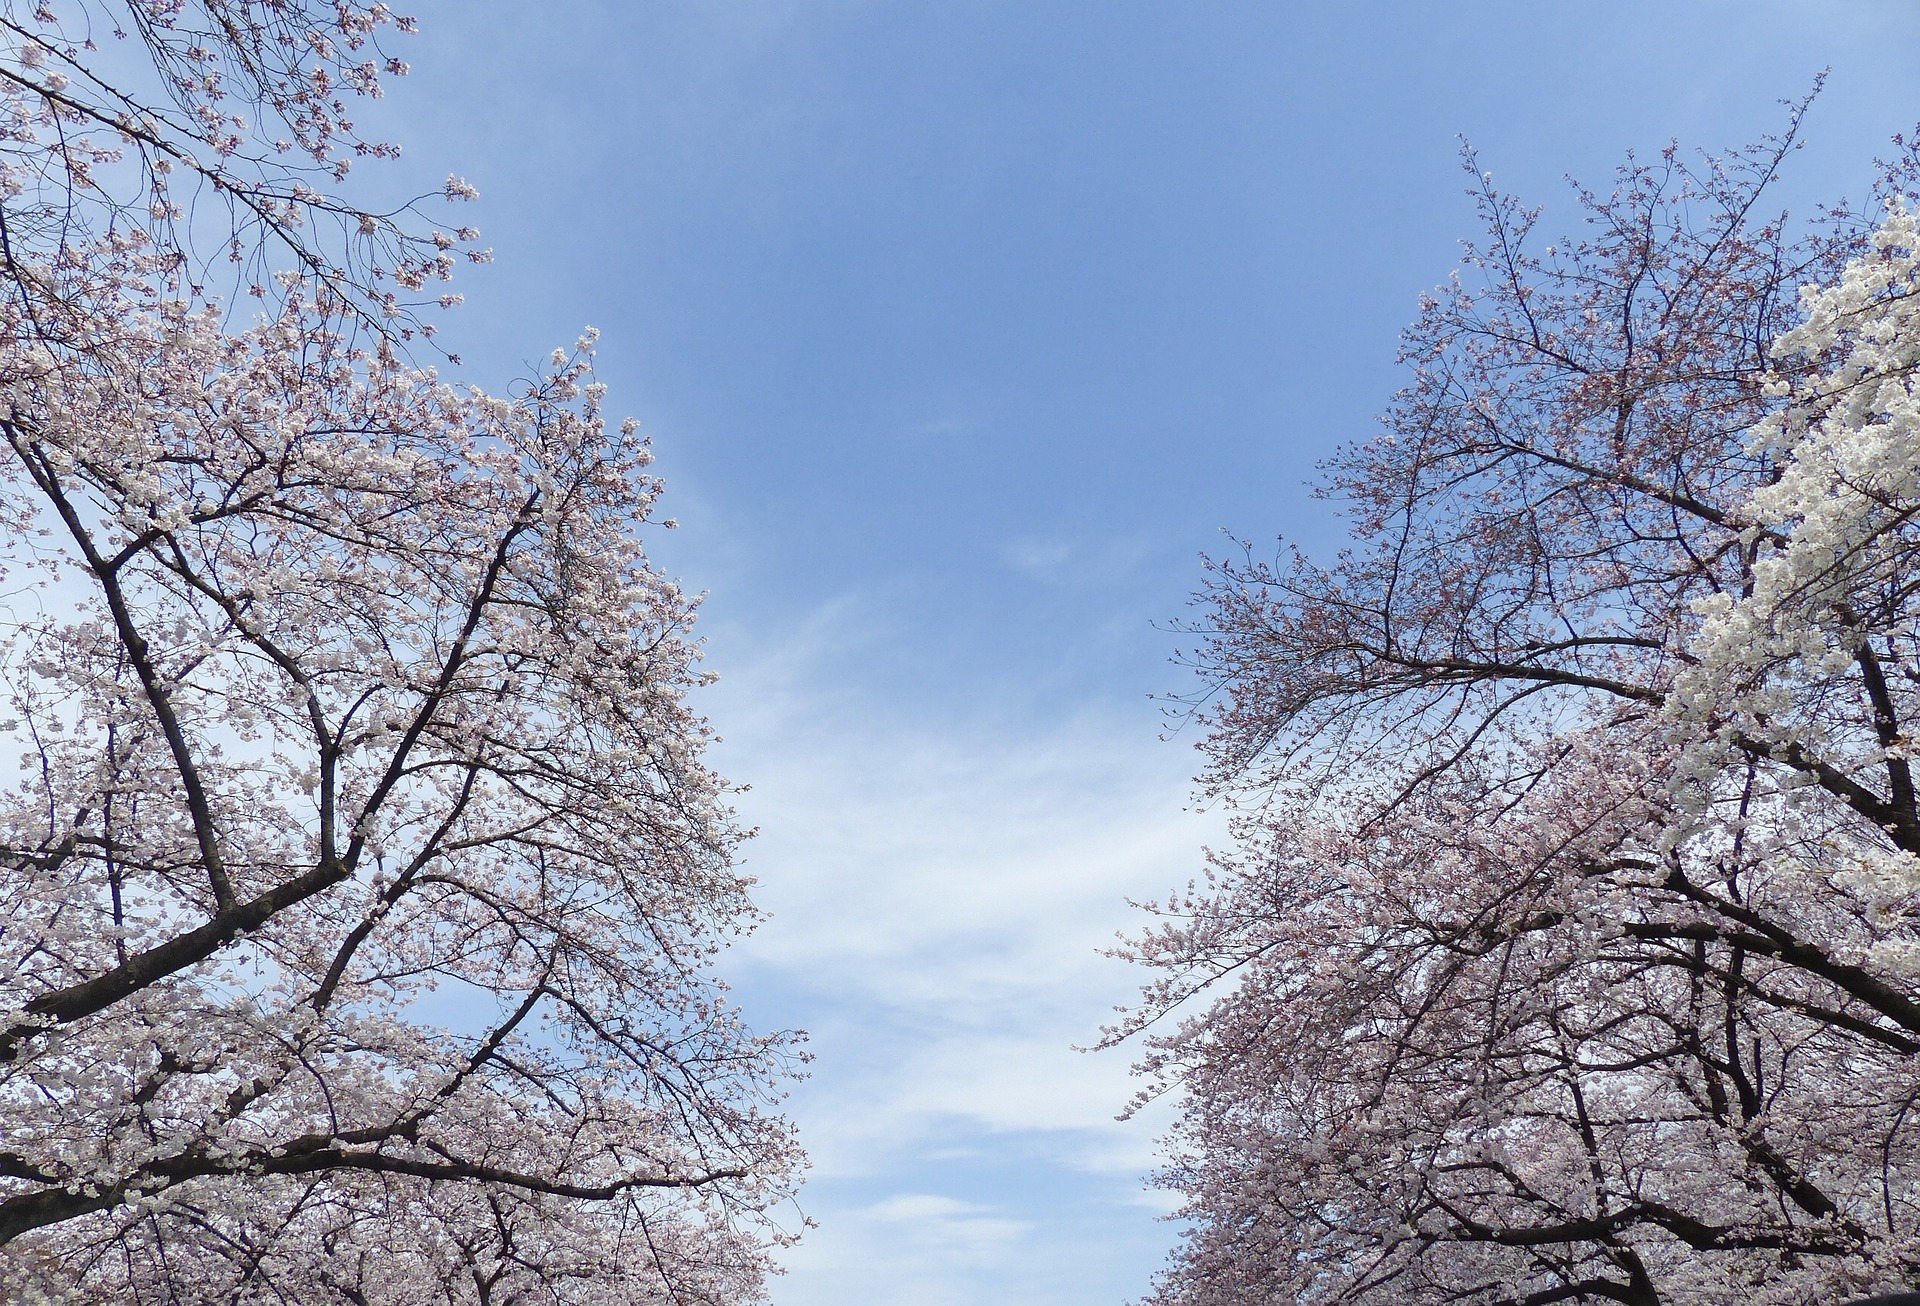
361	875
1568	947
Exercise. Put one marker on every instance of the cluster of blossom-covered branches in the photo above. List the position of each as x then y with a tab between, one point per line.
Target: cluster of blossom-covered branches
360	876
213	133
1567	951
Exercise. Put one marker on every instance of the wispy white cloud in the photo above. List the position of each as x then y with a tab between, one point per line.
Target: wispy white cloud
946	1223
940	894
912	1249
1057	560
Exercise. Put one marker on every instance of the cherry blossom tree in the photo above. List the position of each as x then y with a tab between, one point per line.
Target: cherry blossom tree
1566	951
360	875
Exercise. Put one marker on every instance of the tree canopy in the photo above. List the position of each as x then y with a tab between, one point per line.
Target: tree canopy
362	873
1567	948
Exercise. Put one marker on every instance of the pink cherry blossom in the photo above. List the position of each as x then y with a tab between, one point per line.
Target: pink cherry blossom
1567	948
363	878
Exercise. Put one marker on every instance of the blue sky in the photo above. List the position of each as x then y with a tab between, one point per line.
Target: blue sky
962	330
